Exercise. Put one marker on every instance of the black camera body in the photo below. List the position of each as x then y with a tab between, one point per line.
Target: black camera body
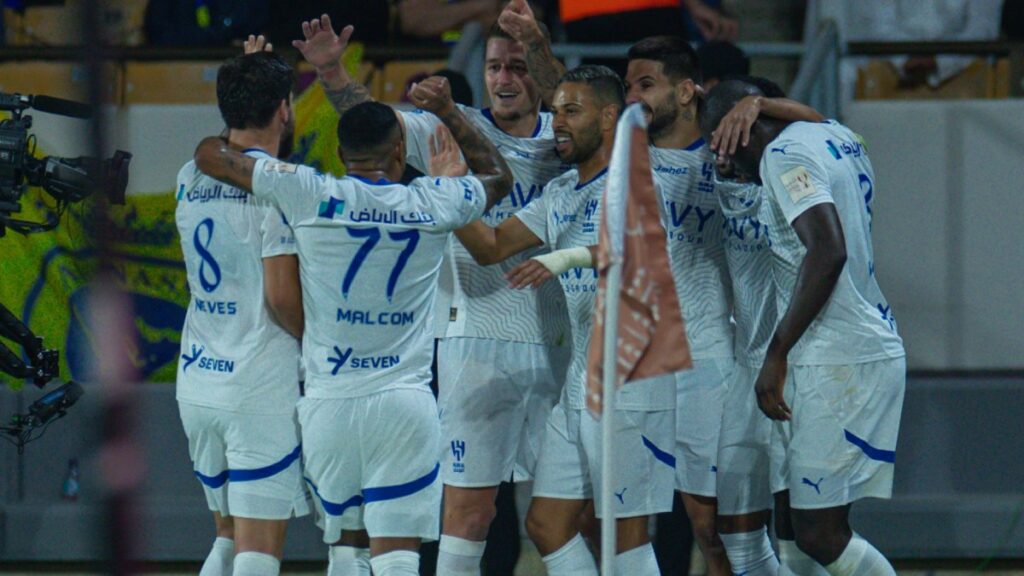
68	180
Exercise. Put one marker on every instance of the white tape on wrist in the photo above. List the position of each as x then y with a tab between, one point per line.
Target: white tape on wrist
566	259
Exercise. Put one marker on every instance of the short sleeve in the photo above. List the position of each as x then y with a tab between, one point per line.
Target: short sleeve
278	237
450	203
796	178
419	126
295	190
535	217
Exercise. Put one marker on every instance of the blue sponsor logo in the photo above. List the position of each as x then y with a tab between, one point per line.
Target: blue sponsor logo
852	149
341	358
330	208
621	496
197	352
886	311
672	170
815	485
207	363
779	149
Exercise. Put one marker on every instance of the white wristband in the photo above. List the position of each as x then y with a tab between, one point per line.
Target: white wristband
566	259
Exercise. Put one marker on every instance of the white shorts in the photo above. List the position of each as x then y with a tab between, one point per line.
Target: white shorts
248	464
840	445
569	467
700	400
495	398
743	448
371	463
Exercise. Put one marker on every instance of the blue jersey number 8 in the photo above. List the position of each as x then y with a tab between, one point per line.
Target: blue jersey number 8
209	263
371	237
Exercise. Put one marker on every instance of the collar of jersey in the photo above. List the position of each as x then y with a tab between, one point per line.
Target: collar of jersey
260	150
536	130
378	182
696	145
589	182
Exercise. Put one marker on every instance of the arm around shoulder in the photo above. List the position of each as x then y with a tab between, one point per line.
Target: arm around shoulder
217	160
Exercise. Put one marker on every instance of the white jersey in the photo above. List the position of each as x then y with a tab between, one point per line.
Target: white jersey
816	163
569	216
693	230
233	356
369	255
480	303
749	229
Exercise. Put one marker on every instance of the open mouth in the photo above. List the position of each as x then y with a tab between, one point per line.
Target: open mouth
562	142
504	96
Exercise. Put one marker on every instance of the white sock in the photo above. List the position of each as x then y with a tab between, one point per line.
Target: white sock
572	559
256	564
348	561
860	558
751	553
459	557
793	561
218	561
640	561
397	563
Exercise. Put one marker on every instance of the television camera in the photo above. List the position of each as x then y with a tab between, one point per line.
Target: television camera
67	180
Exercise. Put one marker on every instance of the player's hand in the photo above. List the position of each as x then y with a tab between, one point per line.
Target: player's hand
734	129
518	20
433	95
445	155
322	47
769	386
256	44
530	273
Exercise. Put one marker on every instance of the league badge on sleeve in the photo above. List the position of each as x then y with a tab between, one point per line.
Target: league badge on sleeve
798	183
280	167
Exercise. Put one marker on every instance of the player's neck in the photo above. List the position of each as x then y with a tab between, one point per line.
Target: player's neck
371	172
265	140
522	127
683	134
593	166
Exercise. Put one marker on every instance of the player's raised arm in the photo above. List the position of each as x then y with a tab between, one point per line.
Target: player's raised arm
519	21
734	129
322	48
217	160
482	157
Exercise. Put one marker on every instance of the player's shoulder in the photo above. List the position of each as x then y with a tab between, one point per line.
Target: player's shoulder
565	181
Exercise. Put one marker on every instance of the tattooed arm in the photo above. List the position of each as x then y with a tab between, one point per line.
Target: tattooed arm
434	95
219	161
323	49
518	20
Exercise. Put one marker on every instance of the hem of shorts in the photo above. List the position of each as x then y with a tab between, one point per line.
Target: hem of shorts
716	355
237	410
424	387
851	362
651	511
471	484
560	496
497	339
702	493
842	502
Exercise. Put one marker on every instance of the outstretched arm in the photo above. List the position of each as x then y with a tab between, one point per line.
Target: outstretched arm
734	129
482	157
219	161
518	20
323	48
492	245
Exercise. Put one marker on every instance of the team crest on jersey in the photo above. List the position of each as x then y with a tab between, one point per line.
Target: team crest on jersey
280	167
458	452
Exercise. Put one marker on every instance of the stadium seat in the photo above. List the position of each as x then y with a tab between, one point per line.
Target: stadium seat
171	82
60	79
121	21
879	80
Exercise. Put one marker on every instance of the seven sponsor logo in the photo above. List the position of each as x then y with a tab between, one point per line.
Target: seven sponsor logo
341	358
208	363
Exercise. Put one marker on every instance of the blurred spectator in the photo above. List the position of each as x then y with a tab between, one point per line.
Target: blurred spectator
718	59
442	19
907	20
1013	19
204	22
372	18
631	20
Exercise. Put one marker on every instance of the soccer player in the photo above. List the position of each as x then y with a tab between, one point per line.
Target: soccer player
237	383
369	254
835	344
663	75
586	105
504	353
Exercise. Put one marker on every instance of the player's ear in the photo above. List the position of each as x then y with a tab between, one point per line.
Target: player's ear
609	117
341	155
686	92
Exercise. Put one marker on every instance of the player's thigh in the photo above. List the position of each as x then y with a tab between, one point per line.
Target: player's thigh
401	487
482	413
207	447
700	400
332	434
845	426
563	472
643	479
264	453
743	449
